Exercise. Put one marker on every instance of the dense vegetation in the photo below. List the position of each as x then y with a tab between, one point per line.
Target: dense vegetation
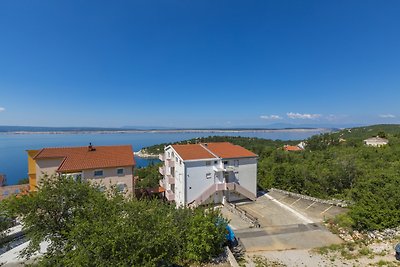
86	227
334	165
148	177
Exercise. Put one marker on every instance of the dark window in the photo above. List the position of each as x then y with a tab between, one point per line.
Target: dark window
98	173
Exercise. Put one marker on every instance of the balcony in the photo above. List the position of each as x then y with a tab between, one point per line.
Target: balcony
171	179
170	195
220	187
161	157
171	163
161	183
161	170
229	168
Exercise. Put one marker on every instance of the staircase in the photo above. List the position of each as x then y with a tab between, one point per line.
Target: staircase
221	187
243	191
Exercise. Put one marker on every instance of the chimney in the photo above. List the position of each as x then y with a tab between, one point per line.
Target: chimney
91	148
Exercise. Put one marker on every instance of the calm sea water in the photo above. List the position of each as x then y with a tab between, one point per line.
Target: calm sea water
13	158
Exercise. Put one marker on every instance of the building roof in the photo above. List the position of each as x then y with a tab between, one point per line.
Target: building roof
192	151
227	150
292	148
212	150
83	158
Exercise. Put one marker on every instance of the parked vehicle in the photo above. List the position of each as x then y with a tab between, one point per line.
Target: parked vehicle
397	249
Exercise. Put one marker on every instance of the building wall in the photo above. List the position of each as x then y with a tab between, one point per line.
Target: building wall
245	175
197	178
179	182
110	177
32	169
194	177
178	172
46	166
375	143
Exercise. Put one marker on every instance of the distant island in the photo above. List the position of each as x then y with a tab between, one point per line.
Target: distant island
91	130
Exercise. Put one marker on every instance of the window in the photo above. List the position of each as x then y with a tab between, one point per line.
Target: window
215	162
102	188
120	171
98	173
208	163
208	175
226	162
121	187
236	163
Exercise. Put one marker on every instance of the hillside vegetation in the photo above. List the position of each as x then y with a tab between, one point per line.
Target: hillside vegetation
334	165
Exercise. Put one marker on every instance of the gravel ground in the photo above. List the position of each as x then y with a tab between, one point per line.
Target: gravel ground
309	258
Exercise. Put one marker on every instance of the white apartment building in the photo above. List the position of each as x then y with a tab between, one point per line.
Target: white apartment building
195	174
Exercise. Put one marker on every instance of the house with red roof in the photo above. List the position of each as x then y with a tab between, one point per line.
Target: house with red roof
104	165
292	148
196	174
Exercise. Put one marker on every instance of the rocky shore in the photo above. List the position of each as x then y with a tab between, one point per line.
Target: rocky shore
143	154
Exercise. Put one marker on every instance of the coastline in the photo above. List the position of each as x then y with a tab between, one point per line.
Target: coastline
142	154
322	130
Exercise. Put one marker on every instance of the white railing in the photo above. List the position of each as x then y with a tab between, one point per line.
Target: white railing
161	157
169	195
171	163
171	179
161	170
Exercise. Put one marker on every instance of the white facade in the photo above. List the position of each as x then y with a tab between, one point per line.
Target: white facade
376	141
200	181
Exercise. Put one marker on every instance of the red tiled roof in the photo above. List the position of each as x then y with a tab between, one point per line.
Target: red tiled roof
291	148
81	158
192	151
227	150
212	150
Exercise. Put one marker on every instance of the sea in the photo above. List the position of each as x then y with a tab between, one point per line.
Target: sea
13	146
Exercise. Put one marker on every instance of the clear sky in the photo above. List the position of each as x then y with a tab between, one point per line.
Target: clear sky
190	63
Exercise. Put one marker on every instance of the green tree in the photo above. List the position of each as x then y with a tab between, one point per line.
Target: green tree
86	227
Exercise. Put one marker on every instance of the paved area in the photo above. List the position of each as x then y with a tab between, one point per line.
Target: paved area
283	227
316	211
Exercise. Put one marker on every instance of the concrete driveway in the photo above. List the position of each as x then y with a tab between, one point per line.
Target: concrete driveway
283	227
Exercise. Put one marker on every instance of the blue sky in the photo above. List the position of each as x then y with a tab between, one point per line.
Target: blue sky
199	63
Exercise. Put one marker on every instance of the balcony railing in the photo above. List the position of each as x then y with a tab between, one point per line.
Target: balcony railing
171	180
161	157
169	195
161	183
171	163
161	170
229	168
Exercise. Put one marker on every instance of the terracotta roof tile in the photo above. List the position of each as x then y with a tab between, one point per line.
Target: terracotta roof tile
81	158
227	150
192	151
292	148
